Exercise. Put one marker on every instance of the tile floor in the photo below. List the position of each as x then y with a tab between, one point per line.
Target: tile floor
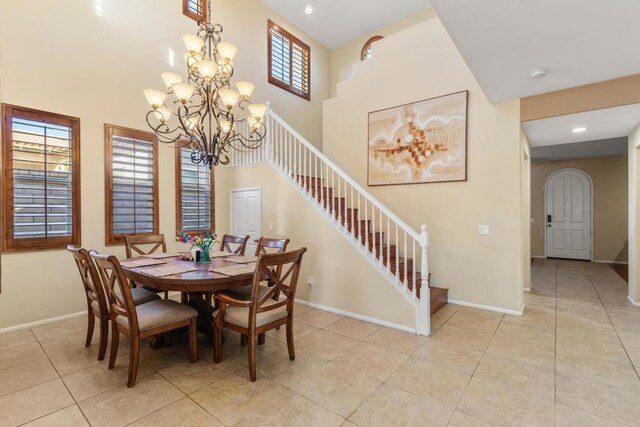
570	360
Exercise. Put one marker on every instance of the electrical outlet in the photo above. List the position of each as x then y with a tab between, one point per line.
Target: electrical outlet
270	226
483	229
310	280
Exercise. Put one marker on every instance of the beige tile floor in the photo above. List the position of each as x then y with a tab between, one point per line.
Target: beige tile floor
570	360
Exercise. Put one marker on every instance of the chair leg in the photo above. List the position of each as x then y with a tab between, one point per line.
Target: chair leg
292	352
166	294
252	355
134	360
193	339
104	336
217	343
91	322
261	339
115	342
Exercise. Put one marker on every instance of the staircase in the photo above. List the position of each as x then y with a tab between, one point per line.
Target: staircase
394	248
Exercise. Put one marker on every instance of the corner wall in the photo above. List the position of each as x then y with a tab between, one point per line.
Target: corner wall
634	216
418	63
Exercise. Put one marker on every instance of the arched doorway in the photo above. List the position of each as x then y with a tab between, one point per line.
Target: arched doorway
568	215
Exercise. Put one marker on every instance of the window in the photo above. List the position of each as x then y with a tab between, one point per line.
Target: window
41	186
289	62
131	195
195	9
194	194
367	49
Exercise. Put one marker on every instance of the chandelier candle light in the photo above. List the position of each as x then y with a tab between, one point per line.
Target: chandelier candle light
202	112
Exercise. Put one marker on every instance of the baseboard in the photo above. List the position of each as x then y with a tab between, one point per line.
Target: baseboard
487	307
637	304
538	257
610	262
42	322
358	316
527	289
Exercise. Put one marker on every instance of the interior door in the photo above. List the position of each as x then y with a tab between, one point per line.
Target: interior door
568	215
246	215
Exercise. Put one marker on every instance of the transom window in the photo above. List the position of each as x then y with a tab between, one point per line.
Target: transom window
194	194
41	186
131	195
195	9
289	62
367	49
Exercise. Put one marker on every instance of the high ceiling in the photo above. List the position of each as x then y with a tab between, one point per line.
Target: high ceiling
578	41
335	23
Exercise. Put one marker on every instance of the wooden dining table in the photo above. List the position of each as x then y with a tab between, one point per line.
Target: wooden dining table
195	286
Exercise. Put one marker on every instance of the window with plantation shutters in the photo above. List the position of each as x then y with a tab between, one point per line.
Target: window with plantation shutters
289	62
41	185
194	194
195	9
131	183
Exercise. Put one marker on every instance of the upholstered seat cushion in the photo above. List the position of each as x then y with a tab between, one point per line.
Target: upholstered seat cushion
240	315
243	293
159	313
140	296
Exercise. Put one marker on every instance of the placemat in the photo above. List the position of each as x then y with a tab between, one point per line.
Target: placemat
241	259
234	270
220	254
140	262
163	255
169	270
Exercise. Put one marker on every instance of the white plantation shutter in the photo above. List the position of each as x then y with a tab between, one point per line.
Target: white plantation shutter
132	196
289	62
41	190
195	194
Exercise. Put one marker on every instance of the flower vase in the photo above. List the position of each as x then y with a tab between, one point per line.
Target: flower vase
205	257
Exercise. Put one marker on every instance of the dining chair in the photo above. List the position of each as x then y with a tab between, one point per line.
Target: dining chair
142	321
269	245
261	312
230	239
97	302
132	247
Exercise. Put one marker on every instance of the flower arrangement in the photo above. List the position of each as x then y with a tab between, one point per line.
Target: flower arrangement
203	242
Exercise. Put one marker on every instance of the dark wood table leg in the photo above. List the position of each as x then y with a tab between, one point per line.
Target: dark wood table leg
199	301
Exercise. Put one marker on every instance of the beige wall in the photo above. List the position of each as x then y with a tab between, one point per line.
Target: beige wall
634	216
343	278
610	204
525	208
479	269
61	57
343	58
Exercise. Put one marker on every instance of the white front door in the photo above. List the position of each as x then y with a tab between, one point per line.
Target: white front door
246	215
568	215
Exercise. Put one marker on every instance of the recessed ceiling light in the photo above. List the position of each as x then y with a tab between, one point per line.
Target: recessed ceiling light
538	74
579	130
308	10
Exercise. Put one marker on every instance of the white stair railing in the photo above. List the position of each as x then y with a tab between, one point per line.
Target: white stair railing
391	245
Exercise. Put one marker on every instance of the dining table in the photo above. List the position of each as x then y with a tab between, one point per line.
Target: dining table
196	286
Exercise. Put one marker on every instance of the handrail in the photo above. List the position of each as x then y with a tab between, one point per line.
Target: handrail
346	177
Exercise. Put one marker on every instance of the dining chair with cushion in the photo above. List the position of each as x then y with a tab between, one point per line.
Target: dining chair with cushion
142	321
133	249
229	239
261	312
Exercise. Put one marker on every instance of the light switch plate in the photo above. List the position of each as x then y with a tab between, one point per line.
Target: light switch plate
483	229
270	226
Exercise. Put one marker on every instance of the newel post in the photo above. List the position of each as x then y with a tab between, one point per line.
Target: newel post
423	321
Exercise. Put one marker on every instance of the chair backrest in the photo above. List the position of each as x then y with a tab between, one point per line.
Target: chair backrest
90	279
229	239
132	242
117	287
282	270
267	245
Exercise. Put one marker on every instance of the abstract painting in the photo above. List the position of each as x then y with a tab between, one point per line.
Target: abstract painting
425	141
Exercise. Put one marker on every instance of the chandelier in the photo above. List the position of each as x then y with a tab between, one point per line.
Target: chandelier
203	112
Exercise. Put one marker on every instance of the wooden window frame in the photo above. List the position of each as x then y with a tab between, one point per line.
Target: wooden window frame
9	244
179	195
367	46
112	239
293	40
196	17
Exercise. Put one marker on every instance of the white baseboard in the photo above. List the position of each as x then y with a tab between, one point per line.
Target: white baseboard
527	289
487	307
358	316
637	304
610	262
42	322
